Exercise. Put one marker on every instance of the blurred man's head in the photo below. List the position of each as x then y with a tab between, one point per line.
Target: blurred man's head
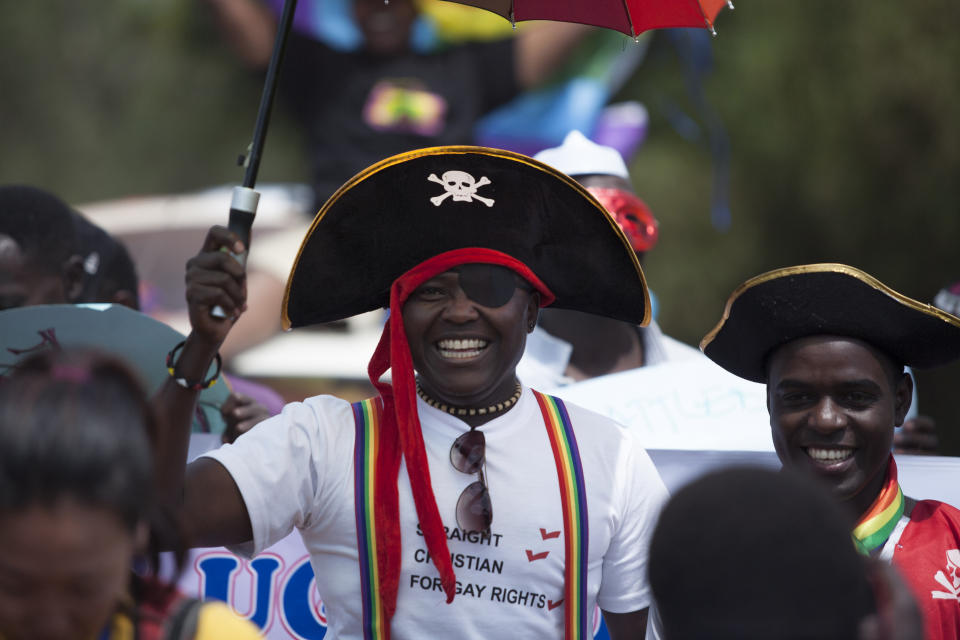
753	554
603	172
38	246
386	26
109	274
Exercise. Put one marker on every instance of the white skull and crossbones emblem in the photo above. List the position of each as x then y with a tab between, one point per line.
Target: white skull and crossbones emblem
461	186
949	579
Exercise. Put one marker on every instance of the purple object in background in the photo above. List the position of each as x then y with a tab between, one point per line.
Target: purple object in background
302	17
263	394
622	126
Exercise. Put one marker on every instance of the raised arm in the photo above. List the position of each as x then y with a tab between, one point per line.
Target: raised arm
203	493
543	47
249	27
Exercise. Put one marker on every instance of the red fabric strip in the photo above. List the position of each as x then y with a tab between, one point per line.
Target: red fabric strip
400	427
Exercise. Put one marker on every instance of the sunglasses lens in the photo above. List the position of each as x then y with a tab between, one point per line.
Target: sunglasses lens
474	511
487	284
467	452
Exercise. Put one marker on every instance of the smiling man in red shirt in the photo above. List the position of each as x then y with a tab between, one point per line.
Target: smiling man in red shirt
831	343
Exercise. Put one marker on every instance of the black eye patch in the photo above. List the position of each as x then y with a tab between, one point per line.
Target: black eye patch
487	284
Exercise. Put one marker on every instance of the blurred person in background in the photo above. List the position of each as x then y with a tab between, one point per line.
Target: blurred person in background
831	342
77	507
391	88
570	346
918	435
775	563
39	262
109	274
111	277
51	254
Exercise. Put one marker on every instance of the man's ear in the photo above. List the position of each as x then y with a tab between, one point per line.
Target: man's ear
533	310
72	274
903	396
141	538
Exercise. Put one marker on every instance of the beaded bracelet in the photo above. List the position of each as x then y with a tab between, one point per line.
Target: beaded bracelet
196	386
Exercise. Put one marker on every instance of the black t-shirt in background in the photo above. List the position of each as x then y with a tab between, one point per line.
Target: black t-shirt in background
357	109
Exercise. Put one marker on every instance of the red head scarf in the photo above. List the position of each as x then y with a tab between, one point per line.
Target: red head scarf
400	424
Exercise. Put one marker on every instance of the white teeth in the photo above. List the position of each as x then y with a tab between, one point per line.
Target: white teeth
829	455
470	343
461	349
460	355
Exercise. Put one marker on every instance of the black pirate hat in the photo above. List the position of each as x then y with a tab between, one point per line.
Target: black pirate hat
827	299
411	207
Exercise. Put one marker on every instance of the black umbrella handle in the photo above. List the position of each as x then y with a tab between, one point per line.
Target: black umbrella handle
252	161
243	206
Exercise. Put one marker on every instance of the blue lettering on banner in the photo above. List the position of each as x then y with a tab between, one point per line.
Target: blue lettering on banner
215	573
296	608
217	577
301	618
263	568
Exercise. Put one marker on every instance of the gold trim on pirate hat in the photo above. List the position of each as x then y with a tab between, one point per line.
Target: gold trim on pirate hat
827	299
416	205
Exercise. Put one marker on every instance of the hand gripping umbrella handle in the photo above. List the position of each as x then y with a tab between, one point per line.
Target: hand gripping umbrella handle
243	209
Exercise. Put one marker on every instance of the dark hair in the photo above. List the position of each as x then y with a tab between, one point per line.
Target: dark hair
77	425
755	554
107	265
118	273
41	223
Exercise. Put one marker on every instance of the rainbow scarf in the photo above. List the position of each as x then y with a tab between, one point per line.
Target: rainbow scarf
876	525
563	443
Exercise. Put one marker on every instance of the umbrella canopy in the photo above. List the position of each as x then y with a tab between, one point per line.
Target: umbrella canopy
129	335
631	17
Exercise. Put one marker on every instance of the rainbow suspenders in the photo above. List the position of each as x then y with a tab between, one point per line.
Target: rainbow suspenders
572	494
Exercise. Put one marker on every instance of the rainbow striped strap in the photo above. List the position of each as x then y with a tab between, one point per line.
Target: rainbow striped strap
572	495
366	415
876	525
575	525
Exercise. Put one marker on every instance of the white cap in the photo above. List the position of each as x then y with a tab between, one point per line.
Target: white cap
579	156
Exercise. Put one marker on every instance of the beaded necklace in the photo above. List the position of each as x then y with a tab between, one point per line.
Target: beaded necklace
472	411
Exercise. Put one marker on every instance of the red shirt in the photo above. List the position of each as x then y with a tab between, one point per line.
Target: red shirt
928	556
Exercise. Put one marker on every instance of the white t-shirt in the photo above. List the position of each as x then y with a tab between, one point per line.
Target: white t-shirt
296	470
545	359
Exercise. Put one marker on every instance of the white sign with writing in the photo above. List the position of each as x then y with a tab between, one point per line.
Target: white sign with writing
692	405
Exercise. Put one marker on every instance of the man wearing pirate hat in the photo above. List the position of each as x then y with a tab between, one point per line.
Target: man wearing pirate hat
456	484
572	345
831	343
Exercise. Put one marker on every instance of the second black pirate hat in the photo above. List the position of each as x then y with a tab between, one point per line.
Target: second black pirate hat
827	299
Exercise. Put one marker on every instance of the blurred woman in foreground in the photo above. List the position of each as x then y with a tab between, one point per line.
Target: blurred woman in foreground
76	508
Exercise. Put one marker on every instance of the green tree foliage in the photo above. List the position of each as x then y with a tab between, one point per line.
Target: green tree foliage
108	98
